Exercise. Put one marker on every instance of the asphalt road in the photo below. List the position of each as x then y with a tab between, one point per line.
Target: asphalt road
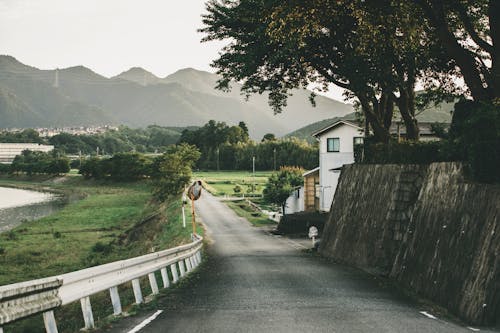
256	282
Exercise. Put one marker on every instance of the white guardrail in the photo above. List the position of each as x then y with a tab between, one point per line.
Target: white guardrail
24	299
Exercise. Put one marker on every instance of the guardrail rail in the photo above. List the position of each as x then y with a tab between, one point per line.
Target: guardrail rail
20	300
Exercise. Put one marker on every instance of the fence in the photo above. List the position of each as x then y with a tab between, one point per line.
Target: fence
24	299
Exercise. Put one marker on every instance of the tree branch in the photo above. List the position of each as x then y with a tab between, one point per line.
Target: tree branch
469	27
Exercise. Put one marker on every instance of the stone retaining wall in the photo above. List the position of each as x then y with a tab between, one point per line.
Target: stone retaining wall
427	228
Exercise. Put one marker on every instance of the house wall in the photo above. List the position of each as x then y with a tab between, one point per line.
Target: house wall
295	202
310	201
330	160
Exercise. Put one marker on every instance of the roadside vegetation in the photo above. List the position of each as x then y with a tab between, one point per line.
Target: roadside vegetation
233	183
124	212
243	209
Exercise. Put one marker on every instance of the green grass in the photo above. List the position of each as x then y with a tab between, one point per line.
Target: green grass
113	221
108	215
222	183
243	209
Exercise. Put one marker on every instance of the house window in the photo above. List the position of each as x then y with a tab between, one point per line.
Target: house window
358	140
333	145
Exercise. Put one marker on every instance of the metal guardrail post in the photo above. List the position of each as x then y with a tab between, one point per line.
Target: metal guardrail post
115	300
175	275
164	277
50	322
198	254
153	283
88	317
136	285
193	261
182	268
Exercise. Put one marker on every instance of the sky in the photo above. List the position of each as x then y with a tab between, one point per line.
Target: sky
108	36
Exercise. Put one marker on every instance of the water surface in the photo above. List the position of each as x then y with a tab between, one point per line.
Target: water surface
18	205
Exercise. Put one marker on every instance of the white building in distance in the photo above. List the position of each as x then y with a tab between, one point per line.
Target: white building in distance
8	151
336	148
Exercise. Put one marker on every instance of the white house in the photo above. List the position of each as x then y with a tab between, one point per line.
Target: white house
8	151
336	148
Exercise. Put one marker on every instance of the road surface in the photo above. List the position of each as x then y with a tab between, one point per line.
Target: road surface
256	282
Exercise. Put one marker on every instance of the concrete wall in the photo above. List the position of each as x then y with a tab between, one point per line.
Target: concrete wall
424	226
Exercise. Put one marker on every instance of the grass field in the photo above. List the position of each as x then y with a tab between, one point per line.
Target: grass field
222	183
113	221
99	228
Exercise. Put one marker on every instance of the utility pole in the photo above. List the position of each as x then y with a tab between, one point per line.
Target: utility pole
218	159
274	165
56	79
253	172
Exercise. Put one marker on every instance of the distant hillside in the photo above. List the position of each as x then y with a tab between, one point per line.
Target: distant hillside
436	114
138	75
78	96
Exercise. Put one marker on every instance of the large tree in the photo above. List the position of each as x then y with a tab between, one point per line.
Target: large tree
469	30
375	50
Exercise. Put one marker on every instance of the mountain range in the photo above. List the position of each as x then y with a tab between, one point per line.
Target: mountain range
31	97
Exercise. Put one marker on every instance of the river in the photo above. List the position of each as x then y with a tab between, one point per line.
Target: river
18	205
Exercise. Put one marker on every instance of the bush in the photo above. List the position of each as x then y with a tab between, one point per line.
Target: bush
299	223
4	168
474	138
408	152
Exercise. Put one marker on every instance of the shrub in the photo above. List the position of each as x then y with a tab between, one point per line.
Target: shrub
400	153
4	168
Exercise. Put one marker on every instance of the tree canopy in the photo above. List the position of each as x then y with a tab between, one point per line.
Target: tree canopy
377	50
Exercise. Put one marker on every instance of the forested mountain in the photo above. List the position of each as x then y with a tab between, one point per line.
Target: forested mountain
78	96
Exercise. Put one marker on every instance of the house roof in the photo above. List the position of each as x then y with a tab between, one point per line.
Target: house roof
349	119
307	173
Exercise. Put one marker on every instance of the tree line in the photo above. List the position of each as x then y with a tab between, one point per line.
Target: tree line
169	172
37	162
225	147
144	140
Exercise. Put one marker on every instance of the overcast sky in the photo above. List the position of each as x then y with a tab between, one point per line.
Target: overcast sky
108	36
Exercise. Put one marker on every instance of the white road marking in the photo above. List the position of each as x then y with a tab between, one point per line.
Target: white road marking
428	315
145	322
473	329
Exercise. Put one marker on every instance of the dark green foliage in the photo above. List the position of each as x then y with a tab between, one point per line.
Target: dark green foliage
299	223
173	170
120	167
4	168
128	166
150	139
36	162
475	137
399	153
268	137
222	147
281	184
25	136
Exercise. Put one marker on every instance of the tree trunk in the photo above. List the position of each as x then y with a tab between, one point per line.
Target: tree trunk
380	130
465	61
406	105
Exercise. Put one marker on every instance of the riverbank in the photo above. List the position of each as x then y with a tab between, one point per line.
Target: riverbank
113	221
